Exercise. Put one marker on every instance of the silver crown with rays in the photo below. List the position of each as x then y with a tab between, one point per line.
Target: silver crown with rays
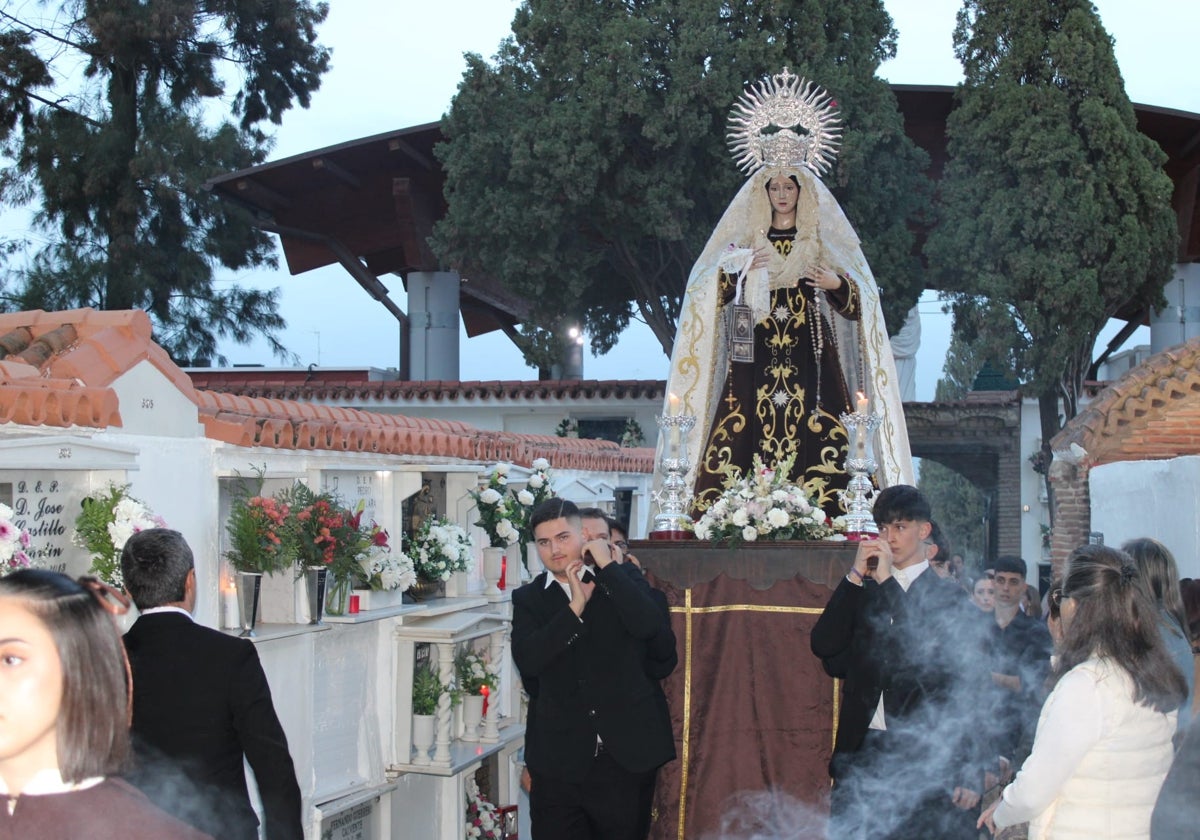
784	121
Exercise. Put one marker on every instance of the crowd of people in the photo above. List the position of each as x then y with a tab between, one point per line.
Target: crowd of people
963	710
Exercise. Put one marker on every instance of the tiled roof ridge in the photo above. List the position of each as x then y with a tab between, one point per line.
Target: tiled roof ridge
57	369
435	390
90	346
1141	395
293	424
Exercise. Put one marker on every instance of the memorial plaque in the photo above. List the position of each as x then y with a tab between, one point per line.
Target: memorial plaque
353	488
354	823
45	503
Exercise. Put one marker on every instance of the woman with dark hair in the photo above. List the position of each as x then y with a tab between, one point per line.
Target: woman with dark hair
64	715
1103	742
1158	579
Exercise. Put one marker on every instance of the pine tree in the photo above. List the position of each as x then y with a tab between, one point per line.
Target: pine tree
586	164
1054	210
113	113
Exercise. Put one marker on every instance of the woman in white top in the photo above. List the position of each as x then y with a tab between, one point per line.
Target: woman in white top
1103	742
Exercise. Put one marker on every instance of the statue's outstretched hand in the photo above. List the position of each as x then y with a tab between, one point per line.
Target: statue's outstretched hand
820	277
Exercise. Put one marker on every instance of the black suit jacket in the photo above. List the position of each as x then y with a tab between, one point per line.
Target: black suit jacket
589	677
923	652
200	702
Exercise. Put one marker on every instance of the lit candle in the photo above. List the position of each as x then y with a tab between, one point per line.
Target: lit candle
860	433
673	402
229	606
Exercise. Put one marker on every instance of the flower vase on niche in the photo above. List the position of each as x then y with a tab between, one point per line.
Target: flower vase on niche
315	578
472	716
249	587
337	601
422	737
493	563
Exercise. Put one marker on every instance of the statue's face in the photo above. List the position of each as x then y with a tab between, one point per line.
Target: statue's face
783	193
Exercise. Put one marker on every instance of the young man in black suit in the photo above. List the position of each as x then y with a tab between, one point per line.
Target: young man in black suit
598	728
906	762
200	703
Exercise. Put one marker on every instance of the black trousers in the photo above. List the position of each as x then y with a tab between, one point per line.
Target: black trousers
890	790
611	803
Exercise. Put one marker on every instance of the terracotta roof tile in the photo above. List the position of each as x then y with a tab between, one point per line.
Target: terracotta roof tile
266	385
1149	413
57	369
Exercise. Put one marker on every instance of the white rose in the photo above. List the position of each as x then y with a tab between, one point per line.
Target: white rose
536	482
119	533
740	517
525	497
779	495
749	533
506	531
489	496
701	530
541	464
777	518
818	516
502	469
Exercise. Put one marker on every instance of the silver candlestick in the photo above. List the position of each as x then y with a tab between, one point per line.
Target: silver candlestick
674	497
859	495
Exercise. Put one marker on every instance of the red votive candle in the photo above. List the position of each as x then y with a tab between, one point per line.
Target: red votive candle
503	570
353	608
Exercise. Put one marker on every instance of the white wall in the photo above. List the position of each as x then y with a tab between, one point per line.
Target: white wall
1150	499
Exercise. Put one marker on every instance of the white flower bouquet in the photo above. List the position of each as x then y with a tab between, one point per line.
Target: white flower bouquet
763	505
108	519
384	569
497	516
440	548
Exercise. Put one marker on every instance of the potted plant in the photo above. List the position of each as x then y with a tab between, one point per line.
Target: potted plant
475	681
427	691
439	549
537	489
328	541
497	514
261	542
108	518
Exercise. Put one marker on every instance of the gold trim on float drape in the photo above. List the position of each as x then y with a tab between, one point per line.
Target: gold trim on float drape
687	610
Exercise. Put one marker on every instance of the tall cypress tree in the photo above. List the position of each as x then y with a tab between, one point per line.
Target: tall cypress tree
1054	210
112	112
586	164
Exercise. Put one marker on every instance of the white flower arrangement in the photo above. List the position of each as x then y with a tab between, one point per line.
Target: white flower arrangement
108	519
472	672
483	821
14	540
385	570
763	505
440	548
496	511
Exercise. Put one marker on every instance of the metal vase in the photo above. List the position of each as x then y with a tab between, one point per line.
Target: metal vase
249	588
315	578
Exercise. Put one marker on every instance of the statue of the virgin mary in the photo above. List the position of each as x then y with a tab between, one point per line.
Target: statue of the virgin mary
781	330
